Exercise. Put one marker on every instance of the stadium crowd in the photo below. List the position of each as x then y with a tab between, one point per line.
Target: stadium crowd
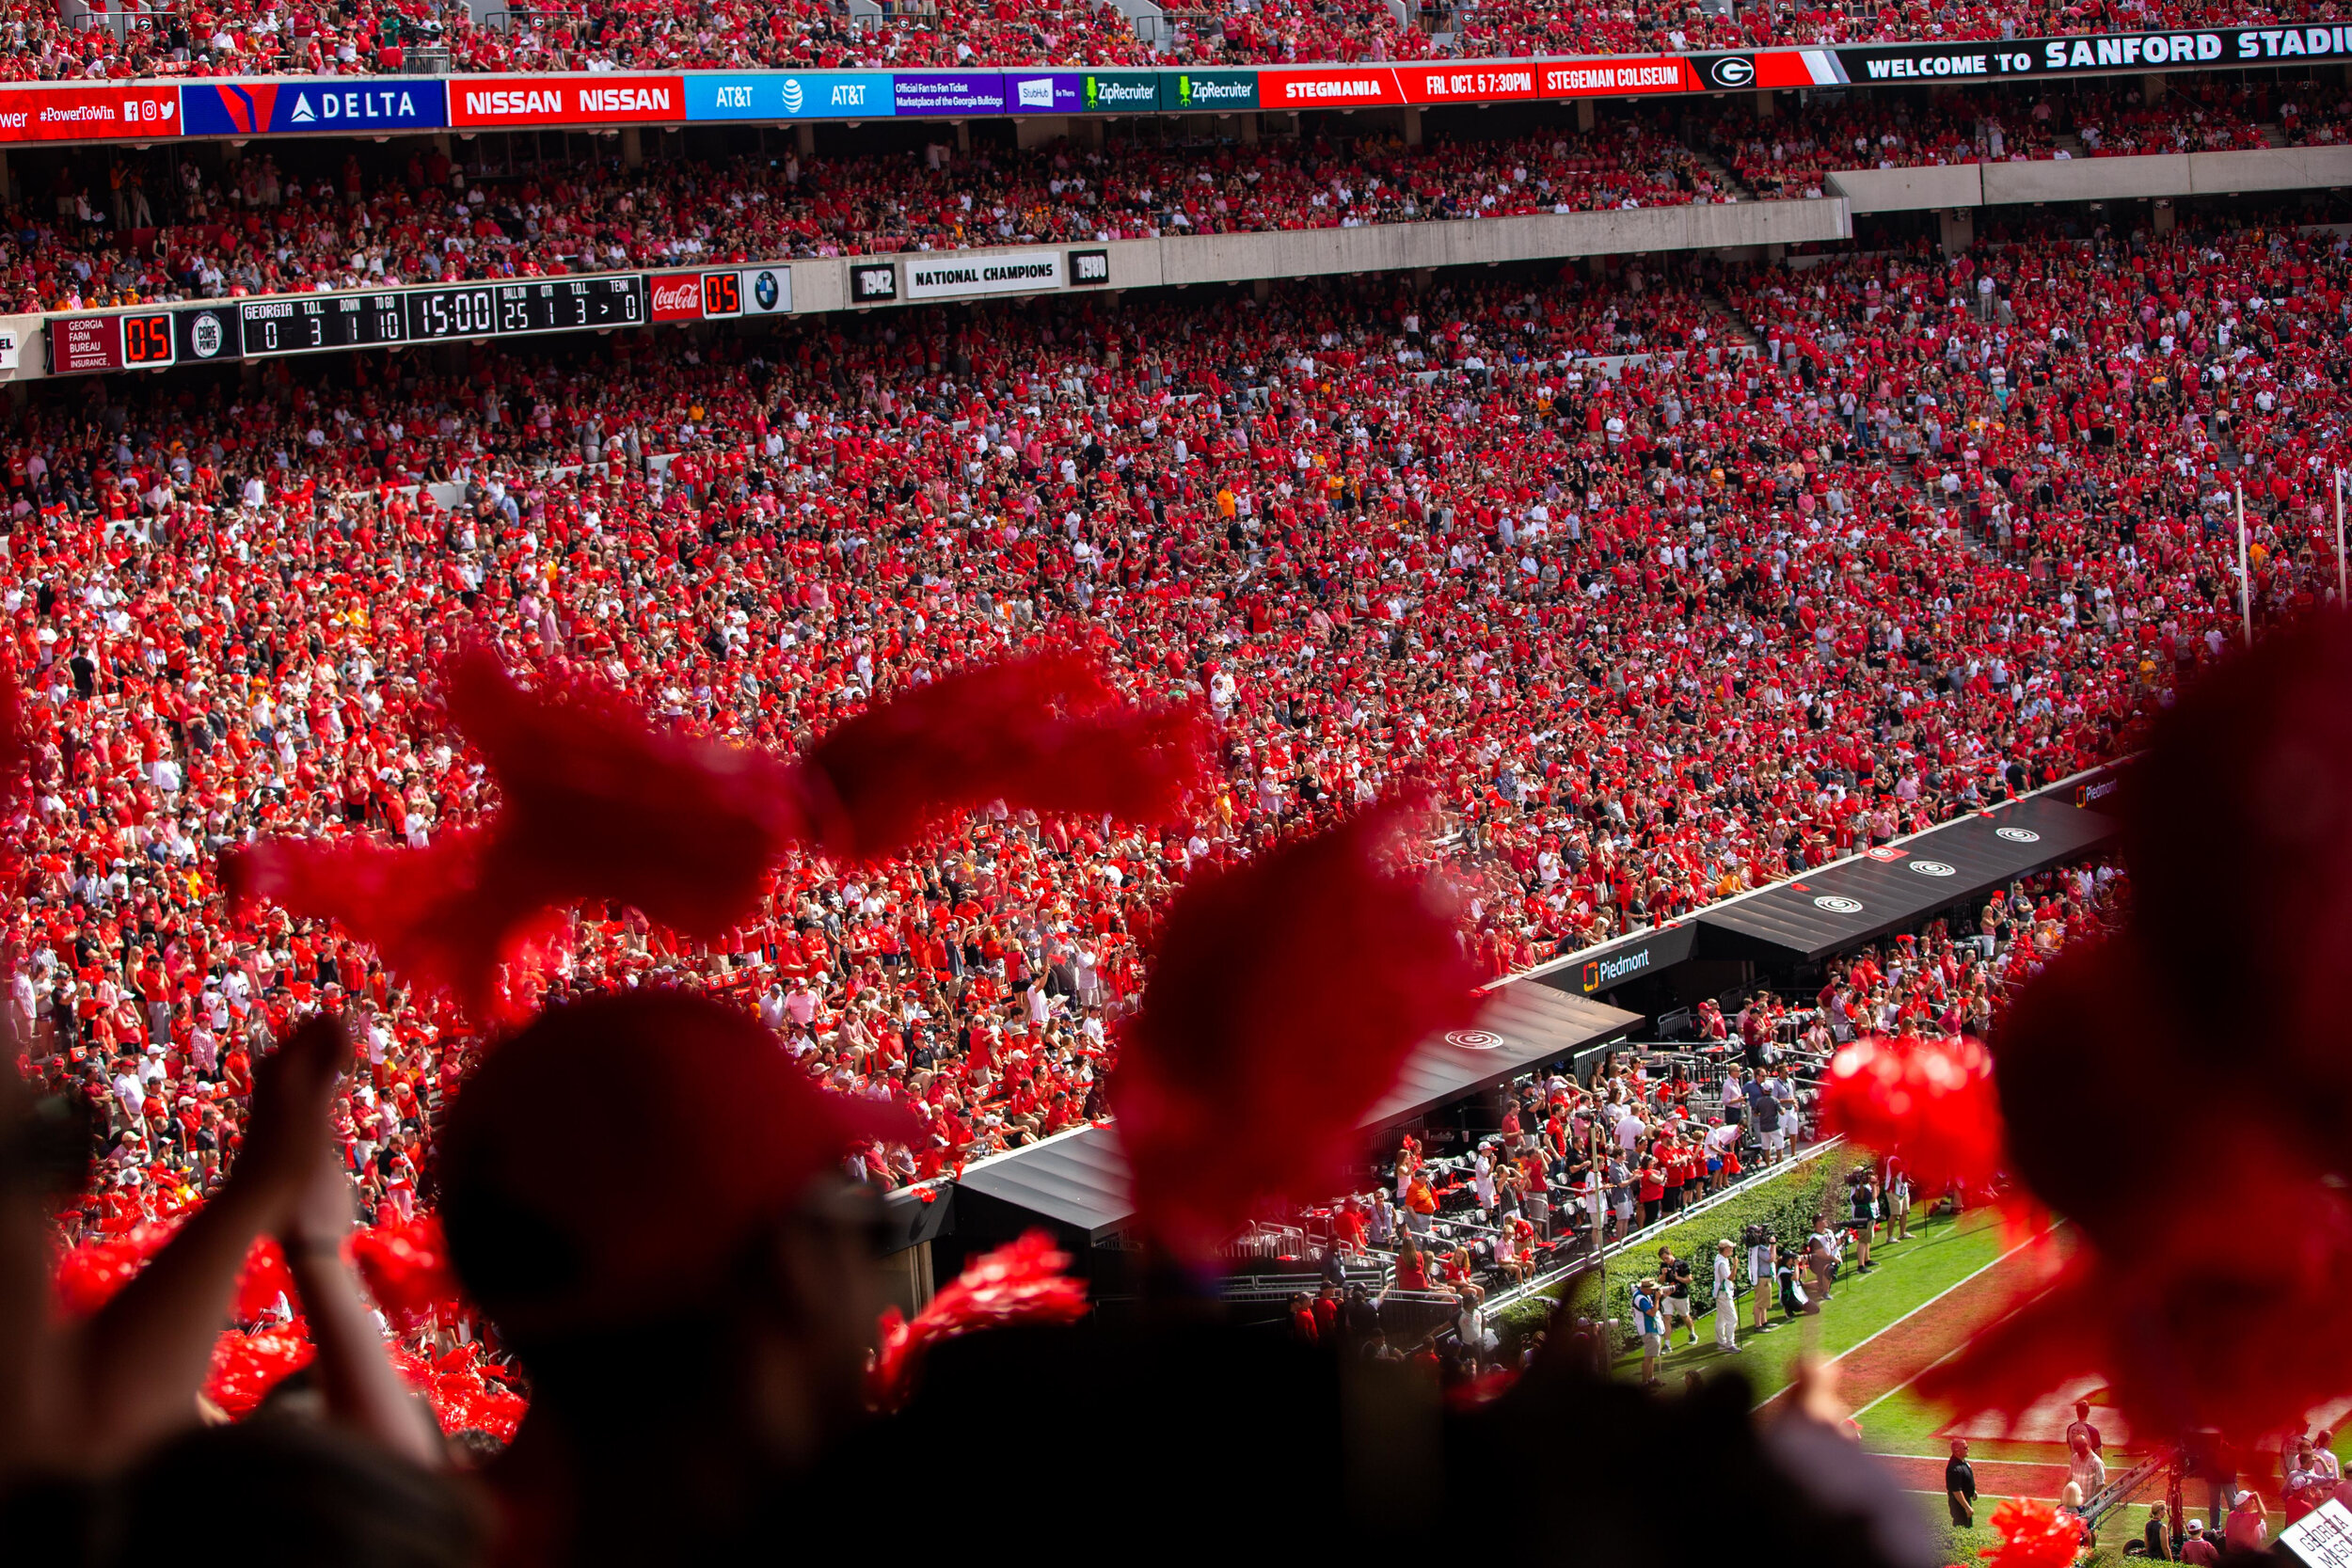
154	231
257	228
357	36
1654	639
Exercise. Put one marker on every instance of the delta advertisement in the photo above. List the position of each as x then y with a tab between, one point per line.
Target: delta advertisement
79	113
310	106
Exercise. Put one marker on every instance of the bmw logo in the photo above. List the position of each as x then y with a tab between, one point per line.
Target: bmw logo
1474	1039
793	97
1932	868
764	290
1733	71
2017	835
205	335
1837	904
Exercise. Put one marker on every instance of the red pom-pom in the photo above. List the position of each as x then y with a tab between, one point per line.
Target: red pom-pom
246	1367
2034	1534
90	1274
2250	1233
459	1393
2088	1030
262	1281
1042	731
598	803
1932	1101
1022	1282
407	1268
1284	997
440	917
2238	832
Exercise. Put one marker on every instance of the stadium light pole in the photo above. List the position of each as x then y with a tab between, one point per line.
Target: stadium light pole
2245	583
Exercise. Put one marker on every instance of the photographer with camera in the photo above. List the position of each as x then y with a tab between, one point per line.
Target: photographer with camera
1758	1239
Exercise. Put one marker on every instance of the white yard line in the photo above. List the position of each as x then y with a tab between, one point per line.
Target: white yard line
1913	1313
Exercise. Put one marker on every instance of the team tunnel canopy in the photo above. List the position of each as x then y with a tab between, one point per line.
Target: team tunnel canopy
1897	887
1077	1182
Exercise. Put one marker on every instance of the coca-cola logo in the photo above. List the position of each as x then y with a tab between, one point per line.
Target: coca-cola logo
682	296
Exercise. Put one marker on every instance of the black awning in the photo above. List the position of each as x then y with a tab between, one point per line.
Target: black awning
1079	1179
1521	1027
1861	900
1616	963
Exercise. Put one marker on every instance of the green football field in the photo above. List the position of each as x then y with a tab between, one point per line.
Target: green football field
1877	1332
1943	1254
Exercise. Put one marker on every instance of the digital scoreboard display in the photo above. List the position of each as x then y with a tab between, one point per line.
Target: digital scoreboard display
508	309
318	323
227	330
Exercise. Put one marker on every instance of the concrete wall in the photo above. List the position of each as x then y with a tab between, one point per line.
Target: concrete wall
1408	246
2088	179
2272	169
2277	168
1910	190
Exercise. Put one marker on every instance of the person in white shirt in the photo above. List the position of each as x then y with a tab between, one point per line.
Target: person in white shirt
1727	1299
130	1092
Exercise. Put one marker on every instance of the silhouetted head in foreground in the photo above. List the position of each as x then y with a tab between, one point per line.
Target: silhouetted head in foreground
644	1193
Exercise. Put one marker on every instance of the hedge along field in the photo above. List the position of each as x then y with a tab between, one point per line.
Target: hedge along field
1791	1207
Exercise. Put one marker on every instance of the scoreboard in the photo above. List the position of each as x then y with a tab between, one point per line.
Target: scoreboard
325	323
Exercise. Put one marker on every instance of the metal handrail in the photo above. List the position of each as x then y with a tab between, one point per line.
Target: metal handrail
1539	1283
2118	1492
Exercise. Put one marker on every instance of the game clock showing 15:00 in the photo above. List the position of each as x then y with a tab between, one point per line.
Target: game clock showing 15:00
499	309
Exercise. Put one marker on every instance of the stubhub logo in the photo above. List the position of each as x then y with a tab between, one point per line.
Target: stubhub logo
1035	92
